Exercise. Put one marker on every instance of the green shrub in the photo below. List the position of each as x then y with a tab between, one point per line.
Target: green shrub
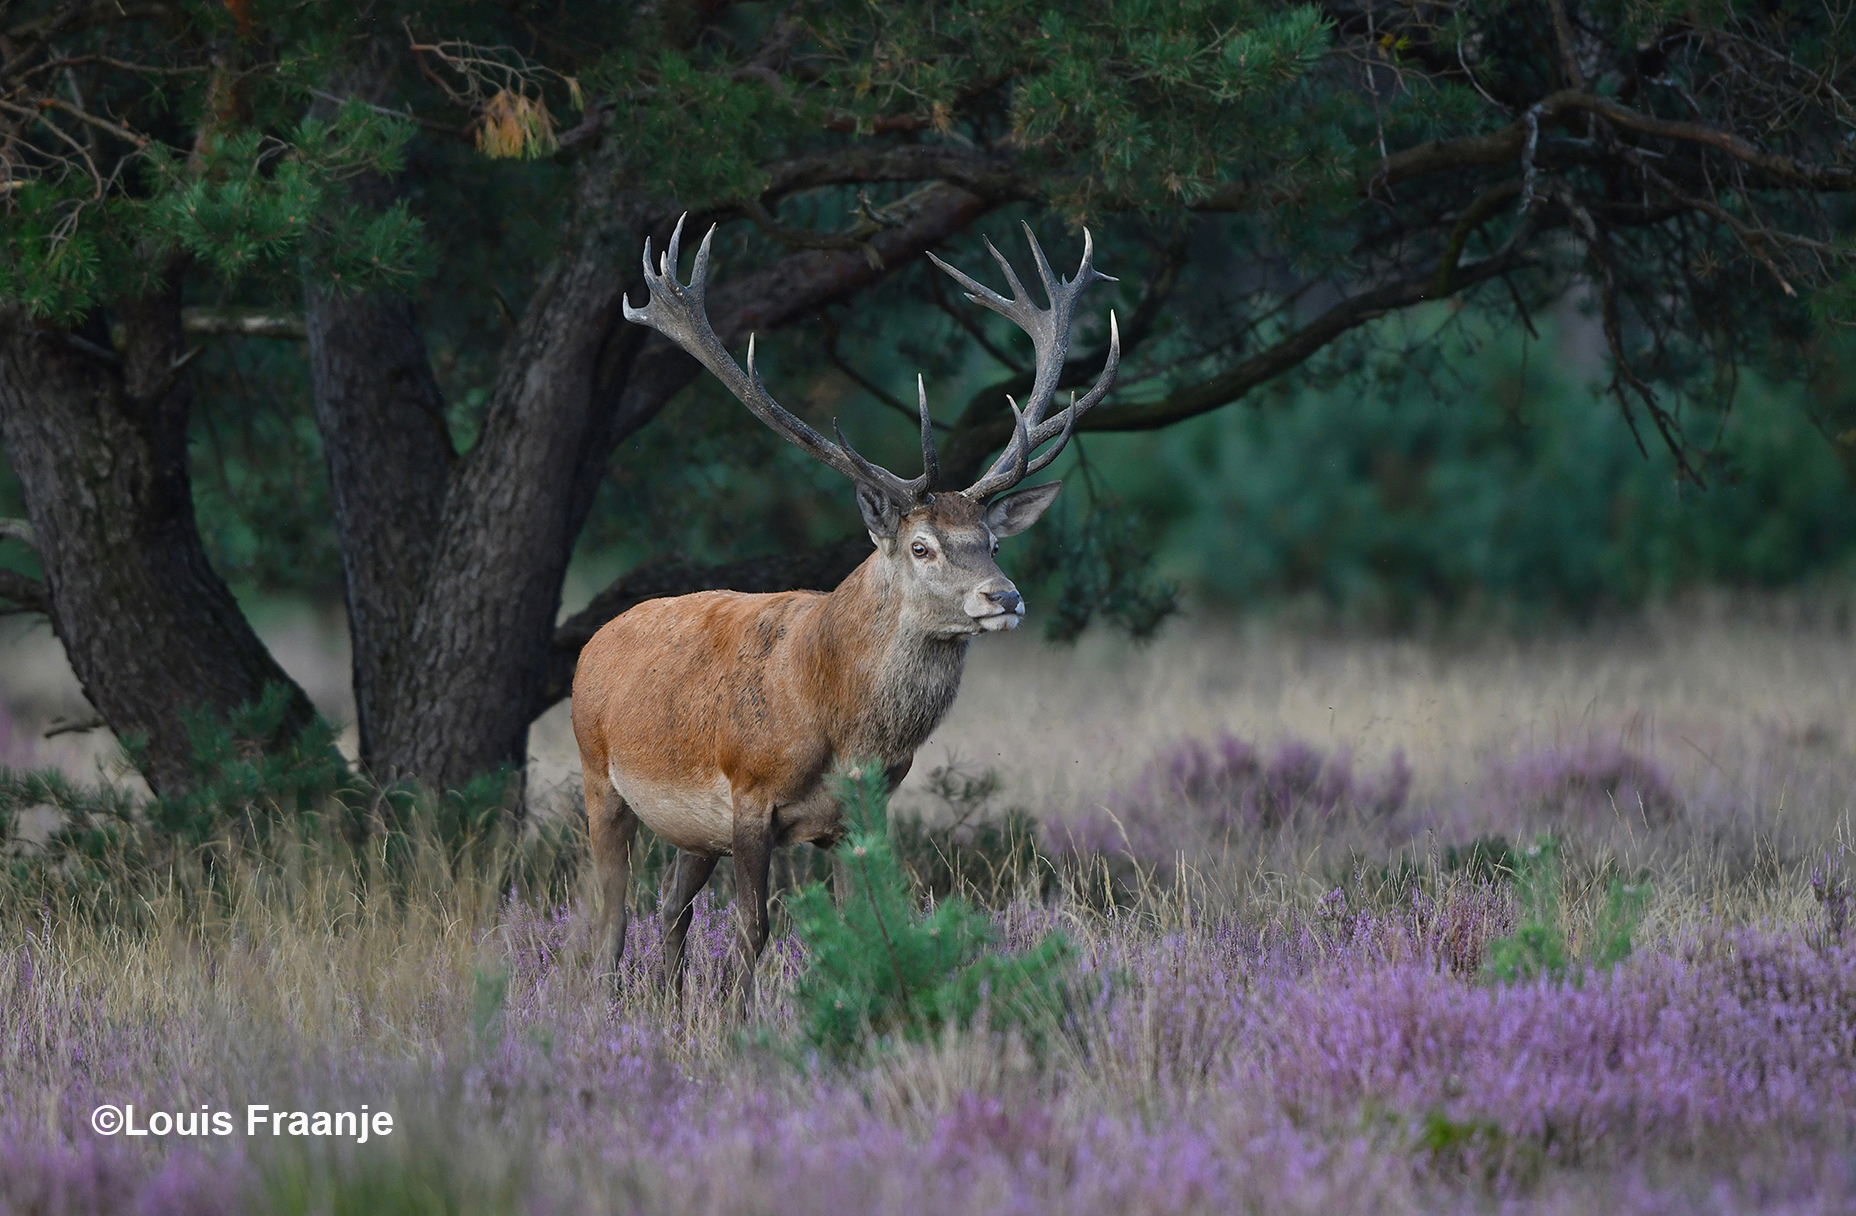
259	790
880	968
1538	946
251	774
1477	477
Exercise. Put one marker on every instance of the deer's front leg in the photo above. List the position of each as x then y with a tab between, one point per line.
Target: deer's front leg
753	849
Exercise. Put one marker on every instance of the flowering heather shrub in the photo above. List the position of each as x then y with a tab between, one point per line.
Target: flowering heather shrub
1322	1065
1237	1042
1196	791
1675	1051
94	1175
1596	781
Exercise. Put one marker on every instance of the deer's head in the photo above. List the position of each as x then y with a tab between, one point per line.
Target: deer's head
940	555
937	545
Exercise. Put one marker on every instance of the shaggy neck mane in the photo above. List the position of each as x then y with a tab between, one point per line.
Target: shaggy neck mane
888	680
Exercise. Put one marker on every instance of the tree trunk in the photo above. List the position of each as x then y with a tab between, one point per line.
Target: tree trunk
384	434
480	636
389	457
99	444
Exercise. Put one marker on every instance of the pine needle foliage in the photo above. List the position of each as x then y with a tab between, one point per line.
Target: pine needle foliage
258	789
249	203
882	970
1093	565
253	772
1538	946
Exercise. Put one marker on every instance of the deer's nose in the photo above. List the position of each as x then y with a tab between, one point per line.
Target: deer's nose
1007	600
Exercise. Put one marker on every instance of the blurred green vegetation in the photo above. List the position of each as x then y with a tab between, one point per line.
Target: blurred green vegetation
1482	475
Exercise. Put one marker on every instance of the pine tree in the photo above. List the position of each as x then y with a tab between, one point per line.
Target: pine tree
879	967
447	201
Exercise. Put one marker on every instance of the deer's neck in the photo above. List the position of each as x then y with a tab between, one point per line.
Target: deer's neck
890	681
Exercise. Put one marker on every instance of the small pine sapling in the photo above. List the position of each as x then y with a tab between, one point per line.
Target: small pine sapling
880	968
1538	945
252	773
1622	913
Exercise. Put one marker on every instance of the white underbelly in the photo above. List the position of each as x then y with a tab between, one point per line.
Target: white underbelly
690	816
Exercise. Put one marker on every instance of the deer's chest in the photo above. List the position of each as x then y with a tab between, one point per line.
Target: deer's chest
900	703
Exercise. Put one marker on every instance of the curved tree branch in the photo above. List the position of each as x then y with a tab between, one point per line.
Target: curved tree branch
1506	145
29	593
1293	350
988	433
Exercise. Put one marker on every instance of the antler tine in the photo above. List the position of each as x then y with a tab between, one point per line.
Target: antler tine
931	463
699	270
976	291
1019	295
1086	272
676	311
1013	463
1049	330
1055	450
625	298
672	258
1011	467
1051	282
1076	409
1020	447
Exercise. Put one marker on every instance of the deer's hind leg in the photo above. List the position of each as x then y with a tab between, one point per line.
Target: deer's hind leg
688	873
753	854
611	824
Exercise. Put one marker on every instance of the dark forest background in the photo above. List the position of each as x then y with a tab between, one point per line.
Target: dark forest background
1508	310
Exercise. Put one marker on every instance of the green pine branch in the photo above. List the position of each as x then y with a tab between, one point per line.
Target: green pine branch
882	969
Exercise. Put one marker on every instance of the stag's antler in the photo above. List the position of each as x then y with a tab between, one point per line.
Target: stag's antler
1050	335
677	312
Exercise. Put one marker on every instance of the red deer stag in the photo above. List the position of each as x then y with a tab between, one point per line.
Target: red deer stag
716	717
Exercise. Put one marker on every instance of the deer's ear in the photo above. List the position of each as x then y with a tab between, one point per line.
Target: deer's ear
881	514
1012	513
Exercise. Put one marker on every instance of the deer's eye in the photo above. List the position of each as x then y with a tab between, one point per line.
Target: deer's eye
919	549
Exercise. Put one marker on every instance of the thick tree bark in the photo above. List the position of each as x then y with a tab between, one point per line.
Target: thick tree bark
389	456
384	436
99	444
479	639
